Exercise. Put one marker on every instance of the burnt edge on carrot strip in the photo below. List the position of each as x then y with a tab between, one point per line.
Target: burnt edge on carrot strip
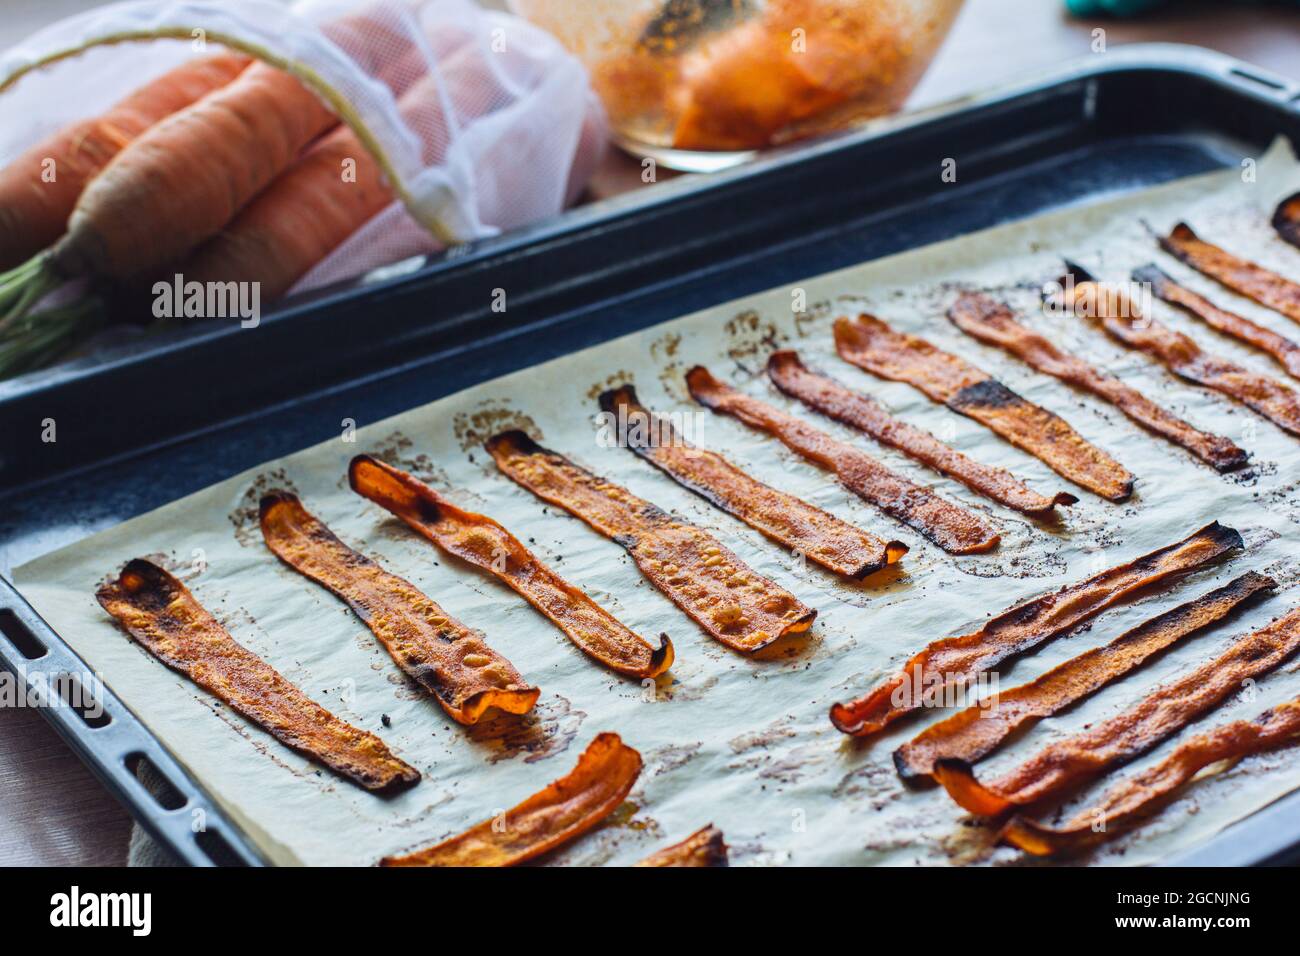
872	345
816	534
1286	219
856	410
446	658
993	323
1240	275
1119	318
1130	802
1062	766
482	542
1024	627
565	809
948	525
1284	351
706	847
977	731
733	603
164	618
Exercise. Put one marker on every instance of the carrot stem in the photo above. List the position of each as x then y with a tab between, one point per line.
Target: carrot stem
38	338
23	288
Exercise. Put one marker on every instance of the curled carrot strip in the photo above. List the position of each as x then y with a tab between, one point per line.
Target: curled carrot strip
453	663
165	619
704	847
1240	275
480	541
1286	219
565	809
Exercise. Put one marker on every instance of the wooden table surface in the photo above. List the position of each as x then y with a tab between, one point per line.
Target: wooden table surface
53	811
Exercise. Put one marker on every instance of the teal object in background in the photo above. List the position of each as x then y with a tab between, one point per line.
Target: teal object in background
1119	8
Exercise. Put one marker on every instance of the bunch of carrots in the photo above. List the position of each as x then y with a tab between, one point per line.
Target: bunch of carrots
221	169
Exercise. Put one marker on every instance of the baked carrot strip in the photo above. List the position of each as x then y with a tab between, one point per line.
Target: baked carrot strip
704	847
1286	352
480	541
978	730
951	527
164	618
953	660
859	411
1066	764
1286	219
993	323
1111	307
873	346
565	809
1254	282
817	535
728	599
1133	800
444	656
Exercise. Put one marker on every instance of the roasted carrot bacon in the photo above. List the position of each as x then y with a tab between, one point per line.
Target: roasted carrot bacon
817	535
166	620
1254	282
1133	800
994	324
480	541
873	346
449	660
567	808
1286	219
1286	352
858	411
704	847
950	527
1111	307
1167	710
731	601
978	730
926	677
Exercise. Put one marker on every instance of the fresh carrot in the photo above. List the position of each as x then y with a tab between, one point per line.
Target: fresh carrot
39	189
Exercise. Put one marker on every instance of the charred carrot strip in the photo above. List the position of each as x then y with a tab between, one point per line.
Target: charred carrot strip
1286	219
1024	627
565	809
994	324
1133	800
856	410
873	346
1111	308
950	527
1254	282
166	620
704	847
978	730
728	599
449	660
1286	352
819	536
480	541
1167	710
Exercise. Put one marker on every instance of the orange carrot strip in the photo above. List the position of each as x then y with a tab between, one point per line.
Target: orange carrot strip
480	541
952	528
955	660
1133	800
565	809
1110	307
444	656
729	600
856	410
165	619
994	324
1285	351
1254	282
1069	763
1286	219
817	535
873	346
977	731
704	847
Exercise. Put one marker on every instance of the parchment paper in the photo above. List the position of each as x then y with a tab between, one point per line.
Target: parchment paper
739	742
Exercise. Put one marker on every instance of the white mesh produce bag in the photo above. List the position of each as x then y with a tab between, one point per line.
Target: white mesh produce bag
496	126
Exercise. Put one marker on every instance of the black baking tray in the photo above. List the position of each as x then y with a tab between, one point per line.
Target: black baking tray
173	414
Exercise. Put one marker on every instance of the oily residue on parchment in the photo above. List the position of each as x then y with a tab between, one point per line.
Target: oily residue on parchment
399	451
246	516
751	339
547	730
612	380
472	429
